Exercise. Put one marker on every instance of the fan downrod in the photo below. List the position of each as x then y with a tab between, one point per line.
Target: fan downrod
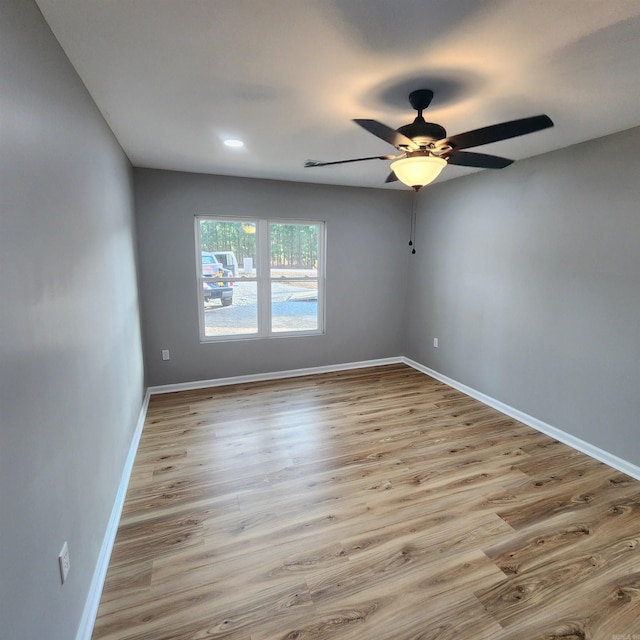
424	134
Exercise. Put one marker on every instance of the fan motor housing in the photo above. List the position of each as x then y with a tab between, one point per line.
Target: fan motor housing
423	133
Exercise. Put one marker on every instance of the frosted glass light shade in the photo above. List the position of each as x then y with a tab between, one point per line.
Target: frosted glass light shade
419	170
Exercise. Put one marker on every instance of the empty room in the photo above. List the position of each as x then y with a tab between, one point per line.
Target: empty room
320	319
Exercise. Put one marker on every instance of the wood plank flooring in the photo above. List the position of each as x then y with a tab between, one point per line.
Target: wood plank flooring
373	504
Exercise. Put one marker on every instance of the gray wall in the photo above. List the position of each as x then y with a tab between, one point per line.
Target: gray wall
530	278
367	257
71	377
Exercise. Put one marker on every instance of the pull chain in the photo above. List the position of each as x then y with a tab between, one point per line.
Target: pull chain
412	234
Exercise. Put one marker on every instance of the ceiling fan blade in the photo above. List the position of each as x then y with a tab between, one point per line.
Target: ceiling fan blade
318	163
392	177
382	131
497	132
481	160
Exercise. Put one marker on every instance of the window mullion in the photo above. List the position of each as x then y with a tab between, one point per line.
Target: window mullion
264	279
321	271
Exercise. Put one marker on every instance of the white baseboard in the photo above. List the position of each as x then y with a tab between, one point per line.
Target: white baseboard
88	619
564	437
274	375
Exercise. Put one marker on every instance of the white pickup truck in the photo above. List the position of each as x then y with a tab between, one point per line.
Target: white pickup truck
215	283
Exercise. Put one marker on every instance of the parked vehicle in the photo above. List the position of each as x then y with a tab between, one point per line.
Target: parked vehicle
215	280
228	259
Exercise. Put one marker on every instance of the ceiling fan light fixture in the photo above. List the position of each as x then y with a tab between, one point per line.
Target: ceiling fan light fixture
418	171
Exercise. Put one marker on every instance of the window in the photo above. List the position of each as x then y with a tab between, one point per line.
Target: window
259	278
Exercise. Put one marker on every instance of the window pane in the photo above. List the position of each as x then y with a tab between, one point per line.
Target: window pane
293	262
294	306
238	318
293	247
231	244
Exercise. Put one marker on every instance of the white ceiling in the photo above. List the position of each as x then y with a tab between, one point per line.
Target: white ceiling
173	78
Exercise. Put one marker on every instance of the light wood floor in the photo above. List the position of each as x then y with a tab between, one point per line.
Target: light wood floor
375	504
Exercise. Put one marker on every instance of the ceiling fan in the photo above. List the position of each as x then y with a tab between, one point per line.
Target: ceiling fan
425	149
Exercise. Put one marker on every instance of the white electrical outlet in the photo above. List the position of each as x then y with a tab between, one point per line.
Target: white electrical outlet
435	343
165	354
64	562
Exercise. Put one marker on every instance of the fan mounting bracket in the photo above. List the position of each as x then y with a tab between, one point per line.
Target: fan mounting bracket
420	99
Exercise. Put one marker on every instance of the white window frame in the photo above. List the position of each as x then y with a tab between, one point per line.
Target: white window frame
263	279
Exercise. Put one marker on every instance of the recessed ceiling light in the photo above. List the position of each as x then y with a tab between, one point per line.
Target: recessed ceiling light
234	143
